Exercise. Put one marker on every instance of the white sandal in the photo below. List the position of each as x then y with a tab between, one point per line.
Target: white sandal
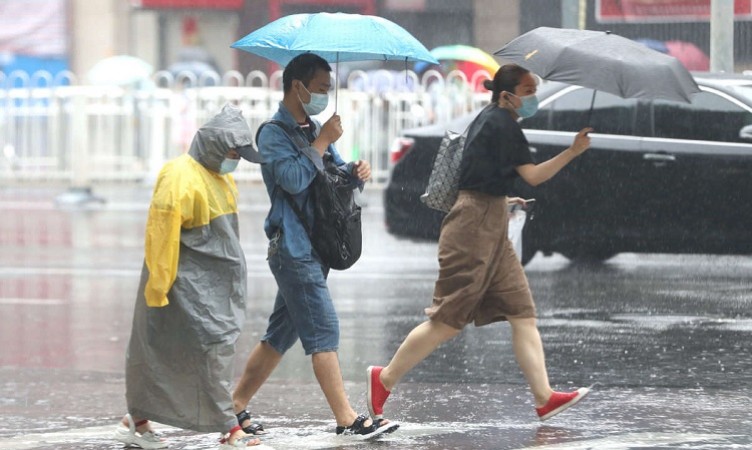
241	442
129	436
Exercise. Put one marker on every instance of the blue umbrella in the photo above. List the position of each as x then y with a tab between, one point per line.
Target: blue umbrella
655	44
335	37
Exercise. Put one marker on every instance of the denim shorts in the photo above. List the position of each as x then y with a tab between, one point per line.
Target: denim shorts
303	307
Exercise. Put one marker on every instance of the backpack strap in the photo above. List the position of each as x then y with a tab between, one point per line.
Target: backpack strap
299	213
296	139
289	131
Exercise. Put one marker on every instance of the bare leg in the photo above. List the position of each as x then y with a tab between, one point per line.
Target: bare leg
261	363
528	349
143	428
329	376
417	346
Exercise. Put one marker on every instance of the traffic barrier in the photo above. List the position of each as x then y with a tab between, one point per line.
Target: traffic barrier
53	129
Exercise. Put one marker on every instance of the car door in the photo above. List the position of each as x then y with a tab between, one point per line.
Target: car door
704	205
585	211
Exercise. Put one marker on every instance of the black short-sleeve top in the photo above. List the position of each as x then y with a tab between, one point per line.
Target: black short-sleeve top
494	147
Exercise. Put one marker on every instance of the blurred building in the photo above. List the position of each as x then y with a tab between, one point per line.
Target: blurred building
159	30
78	33
33	36
680	22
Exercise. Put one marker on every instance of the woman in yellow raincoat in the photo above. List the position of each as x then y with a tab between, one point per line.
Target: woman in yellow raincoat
190	306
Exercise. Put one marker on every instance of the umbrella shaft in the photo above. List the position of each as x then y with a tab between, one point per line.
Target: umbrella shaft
592	105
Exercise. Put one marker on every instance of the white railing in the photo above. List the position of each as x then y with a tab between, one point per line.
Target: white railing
52	129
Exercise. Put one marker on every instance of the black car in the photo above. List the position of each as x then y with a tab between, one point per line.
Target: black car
660	176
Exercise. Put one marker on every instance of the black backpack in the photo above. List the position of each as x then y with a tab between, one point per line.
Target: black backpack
336	235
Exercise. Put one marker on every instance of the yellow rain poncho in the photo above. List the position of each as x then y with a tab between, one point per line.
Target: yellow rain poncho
190	307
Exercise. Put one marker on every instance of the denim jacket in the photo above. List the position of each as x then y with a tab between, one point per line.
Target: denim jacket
292	169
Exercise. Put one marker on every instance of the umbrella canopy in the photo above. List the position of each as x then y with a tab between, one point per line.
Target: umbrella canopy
336	37
119	70
466	53
601	61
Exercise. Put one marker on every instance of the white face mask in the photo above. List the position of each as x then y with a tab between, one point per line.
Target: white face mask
317	104
228	165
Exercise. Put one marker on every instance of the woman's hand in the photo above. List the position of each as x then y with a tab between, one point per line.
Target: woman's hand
535	174
581	141
516	201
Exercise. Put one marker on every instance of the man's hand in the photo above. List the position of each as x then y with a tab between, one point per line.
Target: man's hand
332	129
362	170
330	132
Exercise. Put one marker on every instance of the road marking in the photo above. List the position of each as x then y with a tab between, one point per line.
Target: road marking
31	301
35	440
636	440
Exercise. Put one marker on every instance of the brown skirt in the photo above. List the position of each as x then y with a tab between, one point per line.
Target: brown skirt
481	279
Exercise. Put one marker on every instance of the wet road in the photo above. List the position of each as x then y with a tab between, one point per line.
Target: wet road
667	338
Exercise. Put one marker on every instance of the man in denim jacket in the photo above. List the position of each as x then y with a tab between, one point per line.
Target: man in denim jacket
303	308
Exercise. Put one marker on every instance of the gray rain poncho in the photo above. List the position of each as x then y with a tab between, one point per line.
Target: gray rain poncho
190	306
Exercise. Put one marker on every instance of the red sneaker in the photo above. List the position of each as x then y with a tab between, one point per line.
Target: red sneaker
560	401
377	393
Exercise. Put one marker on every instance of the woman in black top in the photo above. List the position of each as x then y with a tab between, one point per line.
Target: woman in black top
480	278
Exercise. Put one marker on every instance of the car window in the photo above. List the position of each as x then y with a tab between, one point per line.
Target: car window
611	114
744	91
709	117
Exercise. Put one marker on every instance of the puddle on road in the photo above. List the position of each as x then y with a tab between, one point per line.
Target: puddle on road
314	437
408	436
599	319
611	419
649	440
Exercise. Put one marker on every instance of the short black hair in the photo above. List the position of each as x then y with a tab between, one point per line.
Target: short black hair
303	67
506	79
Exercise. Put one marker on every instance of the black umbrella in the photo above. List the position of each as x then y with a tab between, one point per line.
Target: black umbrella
601	61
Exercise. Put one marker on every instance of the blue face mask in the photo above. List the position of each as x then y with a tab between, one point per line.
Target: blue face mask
228	165
529	106
317	104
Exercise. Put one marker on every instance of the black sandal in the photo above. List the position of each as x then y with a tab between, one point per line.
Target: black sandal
358	428
255	429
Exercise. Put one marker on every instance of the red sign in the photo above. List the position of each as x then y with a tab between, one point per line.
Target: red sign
663	10
405	5
188	4
360	6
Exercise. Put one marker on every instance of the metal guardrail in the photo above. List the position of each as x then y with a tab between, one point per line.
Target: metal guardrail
52	129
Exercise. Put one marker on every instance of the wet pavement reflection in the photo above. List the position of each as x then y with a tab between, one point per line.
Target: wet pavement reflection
665	337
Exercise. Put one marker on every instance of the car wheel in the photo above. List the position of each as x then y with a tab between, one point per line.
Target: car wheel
528	247
527	253
587	255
